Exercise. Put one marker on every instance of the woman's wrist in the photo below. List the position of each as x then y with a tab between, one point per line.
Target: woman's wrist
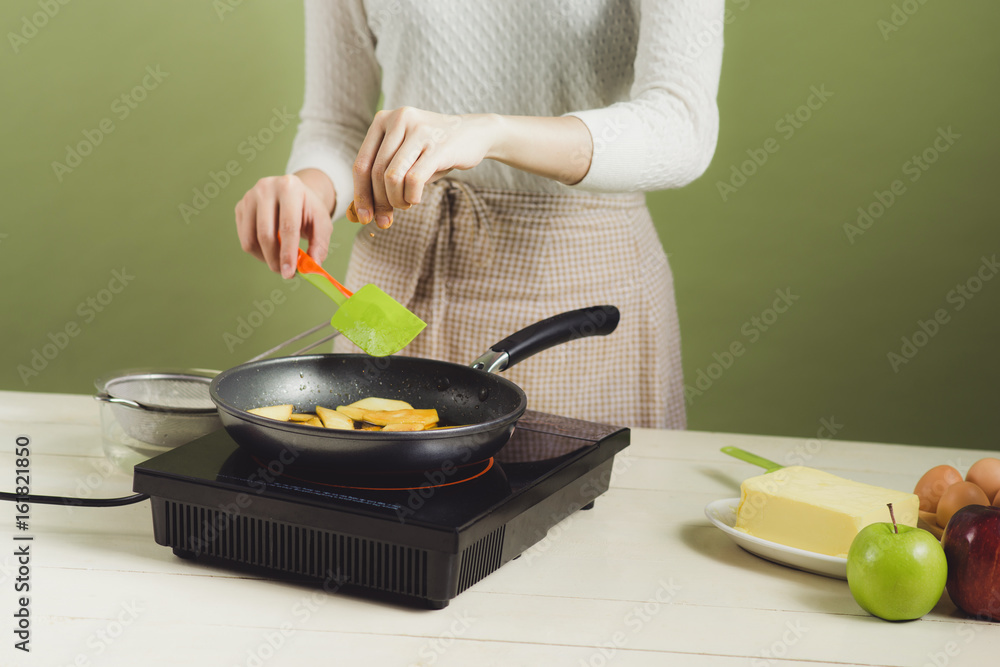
321	185
559	148
498	129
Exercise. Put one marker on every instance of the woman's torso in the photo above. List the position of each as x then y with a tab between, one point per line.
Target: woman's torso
514	57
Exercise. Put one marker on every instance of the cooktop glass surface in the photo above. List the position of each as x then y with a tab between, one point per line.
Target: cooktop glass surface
541	446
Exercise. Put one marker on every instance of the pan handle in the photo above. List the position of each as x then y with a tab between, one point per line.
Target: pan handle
540	336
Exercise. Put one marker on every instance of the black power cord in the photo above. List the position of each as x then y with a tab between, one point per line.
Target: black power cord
77	502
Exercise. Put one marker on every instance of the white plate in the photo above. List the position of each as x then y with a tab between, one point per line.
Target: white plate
723	514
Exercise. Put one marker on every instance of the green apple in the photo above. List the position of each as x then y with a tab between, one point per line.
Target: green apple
896	572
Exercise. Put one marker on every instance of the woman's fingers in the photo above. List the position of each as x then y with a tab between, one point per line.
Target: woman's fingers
363	194
407	148
395	140
317	227
275	214
266	203
246	225
419	174
291	208
395	132
400	173
383	210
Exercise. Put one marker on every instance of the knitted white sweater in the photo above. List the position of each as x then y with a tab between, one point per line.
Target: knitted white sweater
642	74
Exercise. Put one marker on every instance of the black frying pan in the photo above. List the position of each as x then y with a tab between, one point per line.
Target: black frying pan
484	405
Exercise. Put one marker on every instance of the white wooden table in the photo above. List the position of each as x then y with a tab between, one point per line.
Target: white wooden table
642	579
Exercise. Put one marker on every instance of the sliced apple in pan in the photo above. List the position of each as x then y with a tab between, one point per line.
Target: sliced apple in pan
381	404
282	413
357	414
315	421
403	427
334	419
301	417
385	417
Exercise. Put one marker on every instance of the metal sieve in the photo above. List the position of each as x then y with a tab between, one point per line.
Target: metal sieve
165	408
169	407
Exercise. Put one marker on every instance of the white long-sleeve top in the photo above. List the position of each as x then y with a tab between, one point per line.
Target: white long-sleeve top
643	75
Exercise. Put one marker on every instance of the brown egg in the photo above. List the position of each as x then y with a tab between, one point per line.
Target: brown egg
996	501
934	483
956	497
985	473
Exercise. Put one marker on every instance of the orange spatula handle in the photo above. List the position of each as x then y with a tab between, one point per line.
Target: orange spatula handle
307	264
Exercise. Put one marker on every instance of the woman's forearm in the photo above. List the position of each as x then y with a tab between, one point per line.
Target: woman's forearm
558	147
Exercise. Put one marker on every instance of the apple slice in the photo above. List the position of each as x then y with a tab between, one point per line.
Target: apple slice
384	417
334	419
314	422
301	417
403	427
282	413
381	404
357	414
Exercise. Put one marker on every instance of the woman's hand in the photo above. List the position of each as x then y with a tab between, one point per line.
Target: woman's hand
294	206
407	148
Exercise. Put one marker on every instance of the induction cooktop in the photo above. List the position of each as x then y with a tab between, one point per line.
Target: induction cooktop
421	537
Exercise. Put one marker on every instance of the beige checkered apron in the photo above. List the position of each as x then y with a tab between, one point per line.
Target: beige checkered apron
477	264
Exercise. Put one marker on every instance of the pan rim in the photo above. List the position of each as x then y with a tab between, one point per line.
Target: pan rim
372	436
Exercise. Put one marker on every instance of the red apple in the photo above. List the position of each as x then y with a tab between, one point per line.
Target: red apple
972	546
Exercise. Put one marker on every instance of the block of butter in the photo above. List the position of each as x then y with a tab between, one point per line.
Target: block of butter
813	510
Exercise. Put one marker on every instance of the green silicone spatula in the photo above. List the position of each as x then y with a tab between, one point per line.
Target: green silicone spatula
369	318
743	455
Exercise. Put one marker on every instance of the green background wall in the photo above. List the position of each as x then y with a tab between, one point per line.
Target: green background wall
886	95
